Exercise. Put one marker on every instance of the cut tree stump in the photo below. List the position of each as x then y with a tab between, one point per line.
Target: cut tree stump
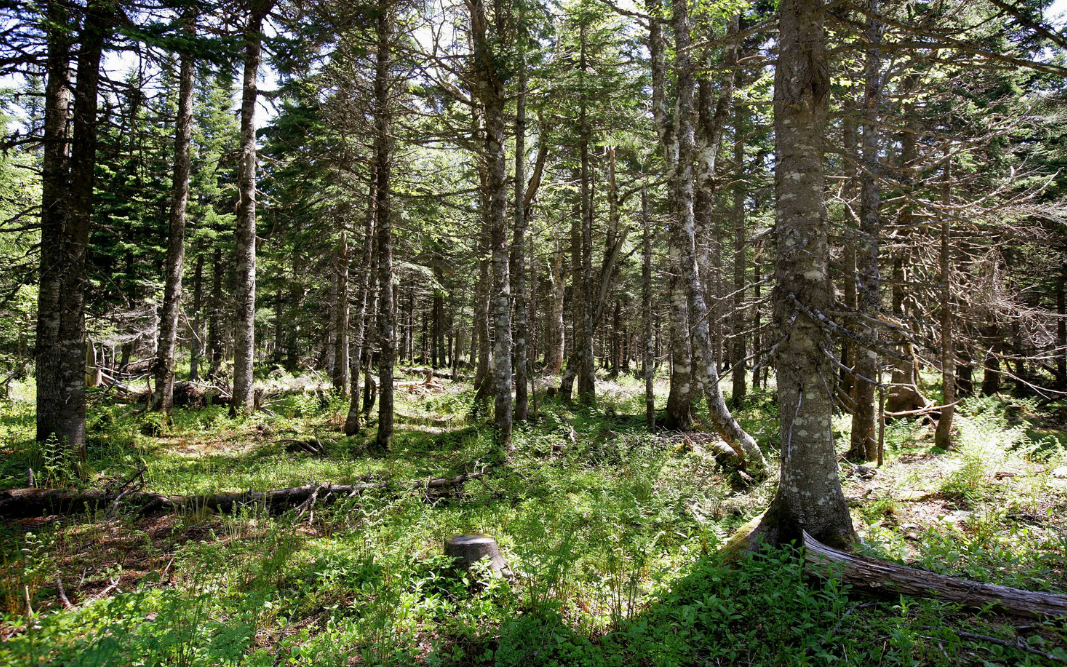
879	576
469	549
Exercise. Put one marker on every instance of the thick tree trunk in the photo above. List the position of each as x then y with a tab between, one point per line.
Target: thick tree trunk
809	495
679	412
62	410
341	342
54	202
352	422
383	147
245	293
648	354
163	399
683	239
1061	328
943	434
864	444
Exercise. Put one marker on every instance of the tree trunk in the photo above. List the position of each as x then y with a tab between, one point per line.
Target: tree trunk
584	342
245	236
62	409
943	434
54	202
198	323
214	326
683	238
518	243
737	353
383	148
555	329
648	355
809	495
490	86
163	399
864	443
341	343
352	422
1061	328
846	381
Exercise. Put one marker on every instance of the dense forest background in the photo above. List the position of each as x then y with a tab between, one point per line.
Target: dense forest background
790	240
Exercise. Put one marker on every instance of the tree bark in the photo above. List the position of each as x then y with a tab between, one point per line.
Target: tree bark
214	326
555	329
518	244
163	399
737	353
943	434
341	365
63	412
809	495
383	147
584	341
648	355
245	293
195	356
352	422
864	440
54	201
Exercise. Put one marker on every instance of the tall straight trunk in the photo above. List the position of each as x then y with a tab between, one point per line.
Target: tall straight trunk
481	323
991	362
943	434
683	239
352	423
555	329
757	319
518	247
383	148
737	353
1061	327
864	444
214	325
341	342
163	399
331	323
679	411
198	319
648	354
809	496
574	359
245	293
63	412
846	382
584	342
54	202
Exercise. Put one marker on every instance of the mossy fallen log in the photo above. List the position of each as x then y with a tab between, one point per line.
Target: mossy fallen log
23	503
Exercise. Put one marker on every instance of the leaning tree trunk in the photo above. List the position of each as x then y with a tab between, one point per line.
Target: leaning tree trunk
683	241
383	147
64	414
54	194
245	293
809	495
163	399
864	443
352	424
943	434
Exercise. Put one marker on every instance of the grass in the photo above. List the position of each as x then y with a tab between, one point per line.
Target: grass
611	533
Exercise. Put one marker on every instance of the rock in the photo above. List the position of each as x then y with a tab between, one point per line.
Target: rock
1060	473
469	549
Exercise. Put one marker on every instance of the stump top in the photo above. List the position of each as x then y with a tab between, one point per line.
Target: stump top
474	538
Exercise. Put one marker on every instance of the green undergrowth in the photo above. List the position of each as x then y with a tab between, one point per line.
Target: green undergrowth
610	533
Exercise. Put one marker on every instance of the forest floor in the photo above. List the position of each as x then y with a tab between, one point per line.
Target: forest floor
611	533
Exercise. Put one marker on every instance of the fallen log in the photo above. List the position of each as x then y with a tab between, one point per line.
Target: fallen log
23	503
879	576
